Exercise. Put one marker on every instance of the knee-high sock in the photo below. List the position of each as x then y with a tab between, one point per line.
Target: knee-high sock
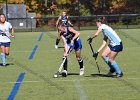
3	58
57	41
80	63
116	67
65	64
106	59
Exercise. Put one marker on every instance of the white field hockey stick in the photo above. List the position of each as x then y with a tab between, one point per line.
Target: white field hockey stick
61	66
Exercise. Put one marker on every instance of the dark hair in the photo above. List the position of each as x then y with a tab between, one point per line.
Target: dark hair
101	19
2	14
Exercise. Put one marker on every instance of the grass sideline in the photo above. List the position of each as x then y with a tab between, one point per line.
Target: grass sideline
38	82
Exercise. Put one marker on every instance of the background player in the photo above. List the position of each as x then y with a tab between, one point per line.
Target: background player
111	50
63	19
5	38
70	38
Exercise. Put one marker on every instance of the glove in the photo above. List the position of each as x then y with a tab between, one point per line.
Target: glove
95	54
89	40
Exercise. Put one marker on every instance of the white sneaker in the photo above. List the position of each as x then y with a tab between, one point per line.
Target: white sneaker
64	73
56	46
81	71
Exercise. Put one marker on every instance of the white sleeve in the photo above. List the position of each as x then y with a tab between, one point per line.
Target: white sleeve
100	27
10	26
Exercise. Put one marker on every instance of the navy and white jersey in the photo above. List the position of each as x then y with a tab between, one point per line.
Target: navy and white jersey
64	20
110	34
68	36
5	30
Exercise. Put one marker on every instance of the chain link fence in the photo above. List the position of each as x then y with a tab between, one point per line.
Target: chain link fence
24	21
32	24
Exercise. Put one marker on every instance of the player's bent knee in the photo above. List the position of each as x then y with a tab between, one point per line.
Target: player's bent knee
103	56
111	59
78	58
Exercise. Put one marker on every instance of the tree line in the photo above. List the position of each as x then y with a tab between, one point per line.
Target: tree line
79	7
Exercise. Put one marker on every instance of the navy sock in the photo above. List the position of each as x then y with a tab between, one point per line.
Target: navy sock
57	41
80	63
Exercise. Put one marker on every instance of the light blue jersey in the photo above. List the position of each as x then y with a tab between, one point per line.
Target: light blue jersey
111	34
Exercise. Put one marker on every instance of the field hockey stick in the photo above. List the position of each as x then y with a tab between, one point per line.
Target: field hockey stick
61	66
94	57
2	33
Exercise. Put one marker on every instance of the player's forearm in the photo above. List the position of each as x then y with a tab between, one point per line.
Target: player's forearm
13	30
70	23
96	34
102	46
76	36
57	22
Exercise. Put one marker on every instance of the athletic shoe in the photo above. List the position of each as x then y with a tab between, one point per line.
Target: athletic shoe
81	71
119	75
64	73
56	46
3	65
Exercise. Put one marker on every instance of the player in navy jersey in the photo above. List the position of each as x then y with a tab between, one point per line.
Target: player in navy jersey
112	49
71	38
5	27
63	19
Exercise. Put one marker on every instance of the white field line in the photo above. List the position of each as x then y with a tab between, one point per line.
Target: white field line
80	90
70	80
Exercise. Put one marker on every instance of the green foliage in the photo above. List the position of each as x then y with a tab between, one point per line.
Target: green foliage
84	11
87	7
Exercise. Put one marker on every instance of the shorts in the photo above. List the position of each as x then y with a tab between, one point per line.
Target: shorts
6	44
116	48
77	44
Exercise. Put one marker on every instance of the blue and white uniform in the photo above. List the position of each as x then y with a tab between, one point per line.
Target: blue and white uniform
77	42
115	42
64	20
4	34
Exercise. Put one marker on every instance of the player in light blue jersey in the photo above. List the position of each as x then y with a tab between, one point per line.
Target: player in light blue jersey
112	49
5	27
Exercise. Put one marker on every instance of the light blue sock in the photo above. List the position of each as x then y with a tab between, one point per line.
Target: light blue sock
3	58
116	67
106	59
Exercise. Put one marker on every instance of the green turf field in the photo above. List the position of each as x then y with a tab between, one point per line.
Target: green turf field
38	82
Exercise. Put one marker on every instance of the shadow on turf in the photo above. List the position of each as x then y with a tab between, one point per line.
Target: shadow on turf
6	64
100	75
73	73
60	47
